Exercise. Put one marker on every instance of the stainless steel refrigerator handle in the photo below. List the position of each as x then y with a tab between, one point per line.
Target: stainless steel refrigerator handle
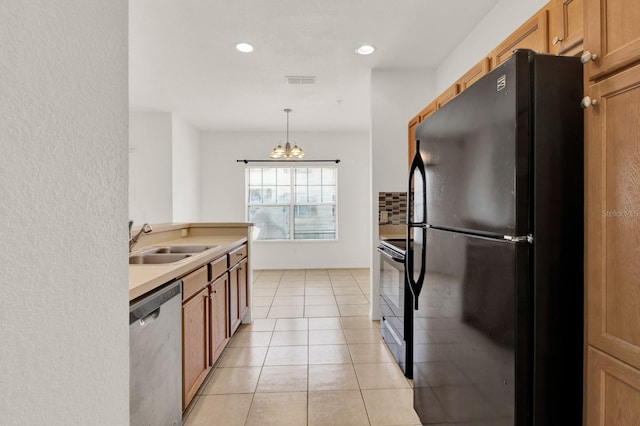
520	239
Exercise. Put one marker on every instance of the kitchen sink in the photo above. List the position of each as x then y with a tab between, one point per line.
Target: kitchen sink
156	258
183	249
168	254
178	249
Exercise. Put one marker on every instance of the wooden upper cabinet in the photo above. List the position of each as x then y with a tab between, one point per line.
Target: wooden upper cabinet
428	110
447	95
567	31
411	143
533	35
474	74
612	213
612	33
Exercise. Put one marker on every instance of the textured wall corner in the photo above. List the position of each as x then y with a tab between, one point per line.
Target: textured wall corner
63	182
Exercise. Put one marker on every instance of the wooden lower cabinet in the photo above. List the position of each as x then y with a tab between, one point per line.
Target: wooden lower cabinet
219	314
195	344
234	313
238	294
215	299
243	288
613	391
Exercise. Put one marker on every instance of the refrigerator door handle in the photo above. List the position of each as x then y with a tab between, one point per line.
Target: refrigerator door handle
520	239
417	168
415	285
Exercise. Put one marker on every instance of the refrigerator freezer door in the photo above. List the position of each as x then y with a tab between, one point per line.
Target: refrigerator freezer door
466	331
476	155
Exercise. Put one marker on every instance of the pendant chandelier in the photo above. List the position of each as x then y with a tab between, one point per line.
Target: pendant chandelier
287	152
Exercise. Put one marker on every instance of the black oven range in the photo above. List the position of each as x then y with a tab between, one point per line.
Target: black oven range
395	303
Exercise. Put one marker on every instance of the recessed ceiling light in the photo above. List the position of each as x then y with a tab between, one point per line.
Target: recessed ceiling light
244	47
365	49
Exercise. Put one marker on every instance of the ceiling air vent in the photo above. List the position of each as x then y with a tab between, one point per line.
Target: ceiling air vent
300	79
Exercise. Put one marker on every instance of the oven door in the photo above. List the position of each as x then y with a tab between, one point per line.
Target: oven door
392	308
392	283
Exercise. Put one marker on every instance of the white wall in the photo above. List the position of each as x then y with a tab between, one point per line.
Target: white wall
64	339
150	167
223	195
502	20
397	95
186	171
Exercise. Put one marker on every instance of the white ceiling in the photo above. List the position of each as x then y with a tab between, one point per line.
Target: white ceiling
182	56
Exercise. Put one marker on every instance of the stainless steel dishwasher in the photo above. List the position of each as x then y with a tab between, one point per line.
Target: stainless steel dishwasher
155	358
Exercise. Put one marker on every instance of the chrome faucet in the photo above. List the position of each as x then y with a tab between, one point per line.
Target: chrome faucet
146	228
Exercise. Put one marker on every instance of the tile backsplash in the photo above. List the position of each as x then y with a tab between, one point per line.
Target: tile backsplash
392	208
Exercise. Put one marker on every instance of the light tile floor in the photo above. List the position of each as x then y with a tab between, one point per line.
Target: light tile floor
311	357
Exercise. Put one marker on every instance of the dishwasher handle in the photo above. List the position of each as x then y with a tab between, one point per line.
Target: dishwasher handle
140	310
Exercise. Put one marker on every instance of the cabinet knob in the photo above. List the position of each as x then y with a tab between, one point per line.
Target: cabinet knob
587	102
588	56
556	40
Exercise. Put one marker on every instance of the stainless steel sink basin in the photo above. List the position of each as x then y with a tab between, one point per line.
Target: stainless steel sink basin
156	258
178	249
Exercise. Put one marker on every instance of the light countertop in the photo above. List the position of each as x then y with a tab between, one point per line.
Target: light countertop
144	278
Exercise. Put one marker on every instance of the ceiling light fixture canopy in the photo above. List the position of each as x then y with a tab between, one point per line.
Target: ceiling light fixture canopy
287	152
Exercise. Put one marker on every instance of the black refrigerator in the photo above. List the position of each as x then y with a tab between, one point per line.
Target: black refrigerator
495	258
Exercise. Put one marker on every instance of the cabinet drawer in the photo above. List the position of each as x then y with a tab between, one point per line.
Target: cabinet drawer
194	282
217	267
237	255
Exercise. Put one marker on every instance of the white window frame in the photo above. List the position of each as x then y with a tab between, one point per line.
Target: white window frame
292	202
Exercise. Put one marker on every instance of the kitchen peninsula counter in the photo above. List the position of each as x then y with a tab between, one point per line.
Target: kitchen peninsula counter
225	236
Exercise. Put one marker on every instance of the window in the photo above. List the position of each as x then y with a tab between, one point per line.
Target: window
292	203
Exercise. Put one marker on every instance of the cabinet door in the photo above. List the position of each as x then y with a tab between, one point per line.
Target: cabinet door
474	74
234	311
613	215
427	111
612	32
243	289
219	326
533	35
447	95
412	137
569	23
195	344
613	392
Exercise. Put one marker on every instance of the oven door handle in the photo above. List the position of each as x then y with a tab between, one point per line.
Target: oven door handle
391	257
